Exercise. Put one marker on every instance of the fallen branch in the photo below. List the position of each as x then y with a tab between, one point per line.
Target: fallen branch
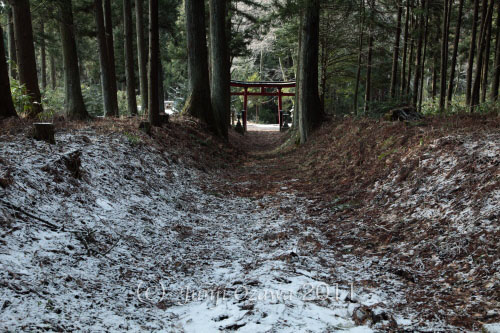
52	226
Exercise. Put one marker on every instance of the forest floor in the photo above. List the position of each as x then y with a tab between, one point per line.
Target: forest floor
370	226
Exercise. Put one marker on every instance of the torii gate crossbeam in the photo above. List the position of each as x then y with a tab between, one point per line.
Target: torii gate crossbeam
263	86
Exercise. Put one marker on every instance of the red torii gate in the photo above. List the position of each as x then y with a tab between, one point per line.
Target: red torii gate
263	86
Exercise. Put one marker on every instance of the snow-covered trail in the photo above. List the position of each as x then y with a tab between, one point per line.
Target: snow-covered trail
138	220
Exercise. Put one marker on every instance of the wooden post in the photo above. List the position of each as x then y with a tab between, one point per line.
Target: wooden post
280	106
245	102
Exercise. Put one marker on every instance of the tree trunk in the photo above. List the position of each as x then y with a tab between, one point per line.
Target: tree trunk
485	18
360	54
368	85
198	104
75	108
129	57
161	91
486	61
434	77
444	54
103	59
472	52
405	49
310	112
395	55
424	56
154	47
11	45
6	105
142	54
418	61
410	60
25	50
43	55
496	73
455	52
53	72
219	59
108	26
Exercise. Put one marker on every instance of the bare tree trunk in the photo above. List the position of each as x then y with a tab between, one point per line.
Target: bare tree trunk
405	49
108	26
444	54
43	55
161	91
395	56
410	60
53	72
12	45
485	18
198	104
219	60
6	105
129	57
422	68
455	52
472	52
368	86
486	61
142	54
25	50
496	74
360	53
75	108
103	59
154	51
434	77
310	112
418	62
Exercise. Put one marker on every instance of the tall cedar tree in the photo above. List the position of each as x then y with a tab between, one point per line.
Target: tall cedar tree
360	53
108	26
395	55
74	105
129	57
444	54
449	94
198	103
486	60
6	105
418	60
154	47
472	52
53	72
219	60
309	103
43	55
103	59
496	72
25	51
405	49
12	44
368	85
142	54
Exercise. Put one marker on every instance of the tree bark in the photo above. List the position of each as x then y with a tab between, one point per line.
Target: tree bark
74	105
395	55
496	72
418	60
455	53
360	54
424	56
310	111
219	61
129	57
368	85
12	45
154	47
43	55
25	50
103	59
472	52
198	104
485	18
161	91
486	61
6	105
444	54
410	60
142	54
108	26
53	72
405	49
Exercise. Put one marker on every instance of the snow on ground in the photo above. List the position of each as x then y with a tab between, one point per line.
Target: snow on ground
140	247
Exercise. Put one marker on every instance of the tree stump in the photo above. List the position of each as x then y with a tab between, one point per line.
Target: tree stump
44	132
145	126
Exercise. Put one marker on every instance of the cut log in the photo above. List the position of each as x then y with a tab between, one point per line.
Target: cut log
44	132
404	113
